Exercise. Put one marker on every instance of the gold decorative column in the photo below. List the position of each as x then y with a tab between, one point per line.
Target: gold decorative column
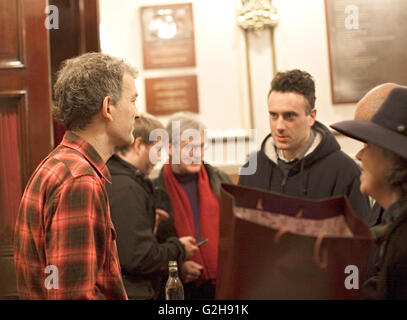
255	16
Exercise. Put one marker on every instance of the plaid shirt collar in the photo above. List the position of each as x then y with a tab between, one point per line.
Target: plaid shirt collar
73	141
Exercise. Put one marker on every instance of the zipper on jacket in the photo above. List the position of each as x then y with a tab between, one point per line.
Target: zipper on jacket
284	181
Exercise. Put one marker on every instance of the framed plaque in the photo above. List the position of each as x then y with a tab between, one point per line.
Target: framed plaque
367	45
168	36
173	94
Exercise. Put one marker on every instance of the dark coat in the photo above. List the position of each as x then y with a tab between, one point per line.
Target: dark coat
132	205
216	178
390	282
325	172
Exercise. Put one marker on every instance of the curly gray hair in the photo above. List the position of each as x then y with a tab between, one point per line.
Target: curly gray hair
187	120
82	84
396	177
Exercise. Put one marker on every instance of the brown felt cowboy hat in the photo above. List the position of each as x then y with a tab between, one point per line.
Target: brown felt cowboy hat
387	128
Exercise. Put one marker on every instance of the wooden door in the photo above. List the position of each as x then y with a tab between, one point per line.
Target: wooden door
25	122
78	33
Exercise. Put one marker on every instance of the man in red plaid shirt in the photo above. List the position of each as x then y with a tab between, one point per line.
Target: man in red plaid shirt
65	244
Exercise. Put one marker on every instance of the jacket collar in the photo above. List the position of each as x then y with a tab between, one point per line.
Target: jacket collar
269	147
73	141
118	165
324	144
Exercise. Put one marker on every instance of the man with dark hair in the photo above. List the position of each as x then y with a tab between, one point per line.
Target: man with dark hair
65	242
134	204
301	157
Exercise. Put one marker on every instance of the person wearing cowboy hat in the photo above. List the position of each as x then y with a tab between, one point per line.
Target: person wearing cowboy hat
384	177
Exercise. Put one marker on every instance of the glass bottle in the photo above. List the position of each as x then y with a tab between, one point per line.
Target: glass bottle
174	290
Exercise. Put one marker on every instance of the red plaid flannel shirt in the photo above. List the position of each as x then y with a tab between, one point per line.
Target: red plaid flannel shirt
64	221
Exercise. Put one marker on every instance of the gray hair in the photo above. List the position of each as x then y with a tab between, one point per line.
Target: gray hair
83	83
187	120
396	177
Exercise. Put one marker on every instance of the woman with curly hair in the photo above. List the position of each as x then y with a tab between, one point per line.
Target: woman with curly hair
384	177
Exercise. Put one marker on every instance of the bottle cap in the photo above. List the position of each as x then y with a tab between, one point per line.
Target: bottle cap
172	264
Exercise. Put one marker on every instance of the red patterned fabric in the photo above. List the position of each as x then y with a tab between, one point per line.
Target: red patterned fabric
209	218
64	221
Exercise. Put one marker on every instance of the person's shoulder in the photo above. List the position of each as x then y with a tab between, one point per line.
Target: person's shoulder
397	240
71	163
346	161
134	185
215	171
158	181
55	169
400	228
339	160
125	178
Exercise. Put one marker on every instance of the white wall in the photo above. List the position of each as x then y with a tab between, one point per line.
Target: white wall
217	54
300	40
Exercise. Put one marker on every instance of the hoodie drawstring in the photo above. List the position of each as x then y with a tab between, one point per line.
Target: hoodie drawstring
305	179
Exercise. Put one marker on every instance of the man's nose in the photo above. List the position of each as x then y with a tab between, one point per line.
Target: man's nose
195	152
137	115
359	155
280	124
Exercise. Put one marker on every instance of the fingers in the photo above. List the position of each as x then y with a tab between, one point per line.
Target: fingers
162	214
190	251
195	268
189	245
188	241
191	271
192	240
189	278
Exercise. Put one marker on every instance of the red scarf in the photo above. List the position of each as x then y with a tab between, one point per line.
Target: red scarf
207	256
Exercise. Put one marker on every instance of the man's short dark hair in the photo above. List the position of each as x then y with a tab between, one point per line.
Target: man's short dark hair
142	129
297	81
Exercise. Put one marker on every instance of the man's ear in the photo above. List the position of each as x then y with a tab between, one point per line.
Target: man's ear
107	108
137	144
170	149
313	115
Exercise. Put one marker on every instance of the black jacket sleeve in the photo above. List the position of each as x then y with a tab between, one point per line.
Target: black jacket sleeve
139	250
393	276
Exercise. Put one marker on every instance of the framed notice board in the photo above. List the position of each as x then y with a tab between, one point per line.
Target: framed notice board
168	36
168	95
367	41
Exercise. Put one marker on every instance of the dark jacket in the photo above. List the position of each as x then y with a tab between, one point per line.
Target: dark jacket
324	172
390	281
132	205
216	178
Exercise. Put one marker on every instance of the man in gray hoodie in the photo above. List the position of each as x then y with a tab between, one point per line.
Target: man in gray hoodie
301	157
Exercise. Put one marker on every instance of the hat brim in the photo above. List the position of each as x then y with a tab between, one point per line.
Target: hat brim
367	131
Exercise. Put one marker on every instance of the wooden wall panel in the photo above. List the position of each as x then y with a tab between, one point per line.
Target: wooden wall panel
78	33
25	89
12	48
